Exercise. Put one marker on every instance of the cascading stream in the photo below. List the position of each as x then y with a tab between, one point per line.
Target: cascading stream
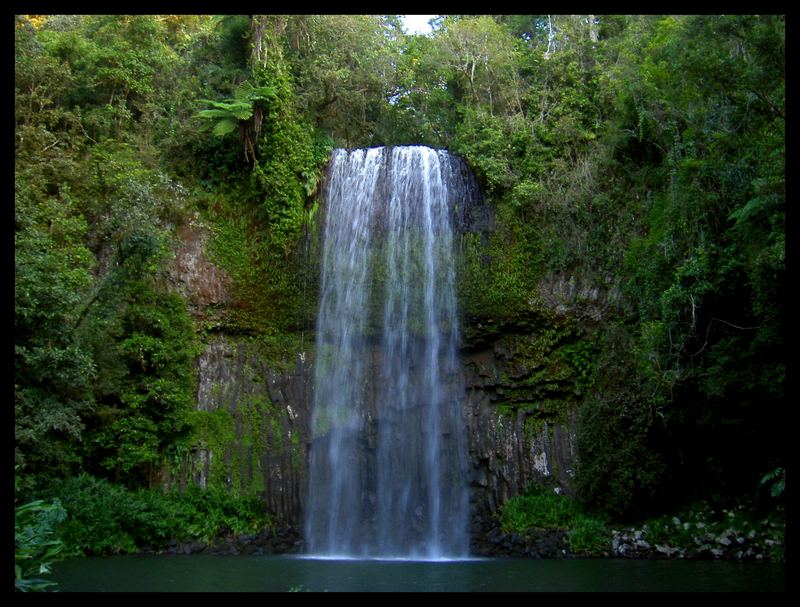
388	475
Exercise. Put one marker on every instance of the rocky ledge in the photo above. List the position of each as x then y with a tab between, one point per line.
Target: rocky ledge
536	543
284	540
698	538
698	541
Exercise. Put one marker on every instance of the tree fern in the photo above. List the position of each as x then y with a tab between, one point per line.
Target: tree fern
243	111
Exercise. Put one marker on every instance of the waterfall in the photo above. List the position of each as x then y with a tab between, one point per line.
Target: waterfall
388	474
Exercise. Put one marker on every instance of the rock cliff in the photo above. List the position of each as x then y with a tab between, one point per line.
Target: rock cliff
255	411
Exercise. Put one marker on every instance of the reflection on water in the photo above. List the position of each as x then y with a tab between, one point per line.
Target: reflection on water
201	573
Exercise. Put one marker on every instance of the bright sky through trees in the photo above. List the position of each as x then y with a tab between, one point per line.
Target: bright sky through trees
417	24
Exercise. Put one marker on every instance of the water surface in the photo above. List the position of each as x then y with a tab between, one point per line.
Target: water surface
202	573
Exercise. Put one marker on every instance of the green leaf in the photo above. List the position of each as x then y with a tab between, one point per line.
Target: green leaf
752	208
225	126
248	92
214	114
242	111
264	92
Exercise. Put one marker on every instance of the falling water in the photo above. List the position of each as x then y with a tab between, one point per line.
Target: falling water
388	464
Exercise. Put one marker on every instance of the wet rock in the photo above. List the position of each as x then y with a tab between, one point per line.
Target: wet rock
667	551
249	549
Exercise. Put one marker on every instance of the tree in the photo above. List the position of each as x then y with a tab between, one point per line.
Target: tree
343	66
709	350
244	111
148	410
482	58
53	369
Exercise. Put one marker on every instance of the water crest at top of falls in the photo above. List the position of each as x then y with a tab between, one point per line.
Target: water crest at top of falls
388	472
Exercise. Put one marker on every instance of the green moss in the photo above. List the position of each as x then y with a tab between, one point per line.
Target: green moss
498	274
543	416
243	440
215	431
538	374
275	291
533	426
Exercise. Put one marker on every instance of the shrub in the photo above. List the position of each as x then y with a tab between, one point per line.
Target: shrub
103	517
35	547
589	537
208	513
538	508
111	519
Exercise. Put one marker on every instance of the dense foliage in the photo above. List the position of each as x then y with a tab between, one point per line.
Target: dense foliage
638	160
36	546
541	508
110	519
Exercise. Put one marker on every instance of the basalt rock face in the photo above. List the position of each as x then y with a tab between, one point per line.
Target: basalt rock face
261	430
510	448
267	413
254	413
505	454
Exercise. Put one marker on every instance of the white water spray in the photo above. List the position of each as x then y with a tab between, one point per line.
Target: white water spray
388	471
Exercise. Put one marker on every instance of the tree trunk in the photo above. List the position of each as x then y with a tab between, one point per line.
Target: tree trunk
551	35
265	30
258	54
593	34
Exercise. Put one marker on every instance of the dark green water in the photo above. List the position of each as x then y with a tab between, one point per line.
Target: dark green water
199	573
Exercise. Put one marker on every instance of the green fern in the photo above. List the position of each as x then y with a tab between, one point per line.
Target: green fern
229	113
224	126
778	479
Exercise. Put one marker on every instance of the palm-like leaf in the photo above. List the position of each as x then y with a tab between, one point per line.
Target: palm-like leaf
229	113
225	126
